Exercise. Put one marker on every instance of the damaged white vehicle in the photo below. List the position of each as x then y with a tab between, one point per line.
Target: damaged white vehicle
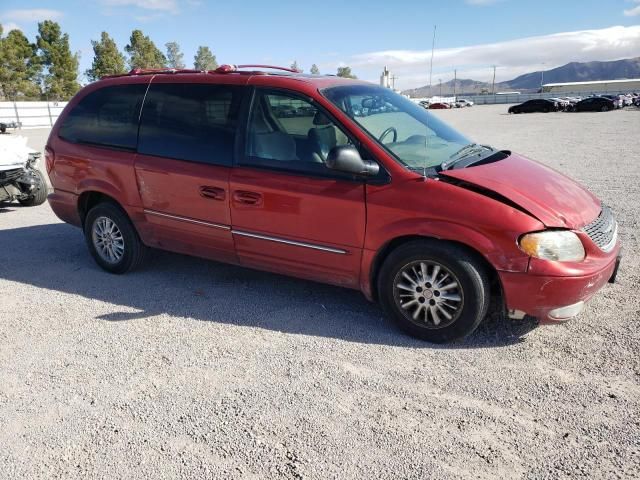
20	178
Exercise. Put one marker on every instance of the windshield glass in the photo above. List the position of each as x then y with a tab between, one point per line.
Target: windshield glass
414	136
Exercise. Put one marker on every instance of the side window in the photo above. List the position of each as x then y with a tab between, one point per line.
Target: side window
190	122
287	132
107	117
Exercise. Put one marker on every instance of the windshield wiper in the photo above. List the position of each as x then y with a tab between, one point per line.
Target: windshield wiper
464	152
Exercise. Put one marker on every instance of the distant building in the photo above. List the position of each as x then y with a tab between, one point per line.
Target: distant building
385	78
599	86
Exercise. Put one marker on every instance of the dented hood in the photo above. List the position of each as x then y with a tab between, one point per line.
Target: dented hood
551	197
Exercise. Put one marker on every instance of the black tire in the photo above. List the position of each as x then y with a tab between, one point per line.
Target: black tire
134	250
604	108
546	110
3	128
40	195
467	270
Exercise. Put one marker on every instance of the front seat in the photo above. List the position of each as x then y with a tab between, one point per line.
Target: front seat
322	137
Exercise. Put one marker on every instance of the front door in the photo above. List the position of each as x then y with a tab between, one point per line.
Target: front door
290	213
185	152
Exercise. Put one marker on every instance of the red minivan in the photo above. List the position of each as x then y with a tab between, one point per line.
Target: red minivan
326	179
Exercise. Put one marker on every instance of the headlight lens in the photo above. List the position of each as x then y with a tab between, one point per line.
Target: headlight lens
557	245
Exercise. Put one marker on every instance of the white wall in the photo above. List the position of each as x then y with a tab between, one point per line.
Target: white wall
31	114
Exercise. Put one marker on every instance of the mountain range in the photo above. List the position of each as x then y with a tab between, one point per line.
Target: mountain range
530	82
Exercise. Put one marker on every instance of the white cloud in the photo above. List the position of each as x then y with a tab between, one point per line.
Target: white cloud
7	27
31	15
633	12
512	58
170	6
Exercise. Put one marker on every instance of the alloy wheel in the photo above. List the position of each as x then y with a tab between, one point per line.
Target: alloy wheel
107	240
428	294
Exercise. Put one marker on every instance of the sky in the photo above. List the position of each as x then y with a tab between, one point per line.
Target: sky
517	36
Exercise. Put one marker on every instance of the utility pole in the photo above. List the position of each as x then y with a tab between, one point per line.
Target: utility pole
455	78
493	82
433	46
393	82
440	80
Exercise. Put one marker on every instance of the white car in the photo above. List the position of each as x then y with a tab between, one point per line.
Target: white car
20	178
463	102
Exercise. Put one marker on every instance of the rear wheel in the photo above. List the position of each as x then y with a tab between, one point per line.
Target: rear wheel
112	239
604	108
433	290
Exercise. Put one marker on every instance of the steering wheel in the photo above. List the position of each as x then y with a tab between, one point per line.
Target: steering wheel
387	132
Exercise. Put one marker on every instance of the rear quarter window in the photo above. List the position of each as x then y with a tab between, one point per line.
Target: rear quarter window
193	122
107	117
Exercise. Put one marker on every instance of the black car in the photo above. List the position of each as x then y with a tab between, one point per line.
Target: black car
594	104
538	105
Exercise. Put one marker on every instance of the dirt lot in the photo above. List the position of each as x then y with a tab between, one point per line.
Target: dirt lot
194	369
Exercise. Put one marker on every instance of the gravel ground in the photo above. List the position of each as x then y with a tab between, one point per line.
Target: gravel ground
194	369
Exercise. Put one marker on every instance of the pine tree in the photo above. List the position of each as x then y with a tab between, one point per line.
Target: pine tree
107	59
19	67
61	75
204	59
143	53
174	56
314	70
345	72
294	66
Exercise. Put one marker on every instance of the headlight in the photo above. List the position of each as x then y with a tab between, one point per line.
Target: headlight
557	245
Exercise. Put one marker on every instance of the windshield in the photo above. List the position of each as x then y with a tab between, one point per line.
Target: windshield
414	136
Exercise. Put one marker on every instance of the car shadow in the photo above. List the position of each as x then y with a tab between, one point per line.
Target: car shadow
54	257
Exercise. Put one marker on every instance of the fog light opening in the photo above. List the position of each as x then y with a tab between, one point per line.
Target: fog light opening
564	313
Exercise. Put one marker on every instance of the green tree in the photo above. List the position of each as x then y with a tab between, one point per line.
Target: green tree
314	70
143	53
294	66
61	76
19	67
107	59
345	72
204	59
174	56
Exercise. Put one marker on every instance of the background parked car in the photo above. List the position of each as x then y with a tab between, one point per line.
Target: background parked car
594	104
538	105
439	106
463	102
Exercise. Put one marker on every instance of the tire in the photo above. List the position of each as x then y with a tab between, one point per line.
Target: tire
604	108
129	251
3	128
546	110
40	195
461	267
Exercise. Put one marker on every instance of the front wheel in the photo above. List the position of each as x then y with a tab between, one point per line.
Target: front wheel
604	108
112	239
39	195
435	291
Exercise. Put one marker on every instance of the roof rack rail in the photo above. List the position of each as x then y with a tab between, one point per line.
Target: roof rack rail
234	68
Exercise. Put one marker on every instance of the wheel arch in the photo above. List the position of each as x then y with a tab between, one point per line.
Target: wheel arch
90	198
384	251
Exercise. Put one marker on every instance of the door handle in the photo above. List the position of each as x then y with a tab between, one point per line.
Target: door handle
247	198
215	193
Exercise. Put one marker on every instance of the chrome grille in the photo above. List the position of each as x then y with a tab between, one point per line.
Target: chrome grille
9	175
603	230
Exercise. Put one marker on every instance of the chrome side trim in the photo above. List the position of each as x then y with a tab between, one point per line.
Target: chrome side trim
289	242
187	219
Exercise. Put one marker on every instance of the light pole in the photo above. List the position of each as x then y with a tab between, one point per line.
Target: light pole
440	80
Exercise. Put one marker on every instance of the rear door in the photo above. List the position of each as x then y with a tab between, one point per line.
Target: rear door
291	214
185	152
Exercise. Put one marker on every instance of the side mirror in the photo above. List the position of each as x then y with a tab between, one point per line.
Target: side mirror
345	158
